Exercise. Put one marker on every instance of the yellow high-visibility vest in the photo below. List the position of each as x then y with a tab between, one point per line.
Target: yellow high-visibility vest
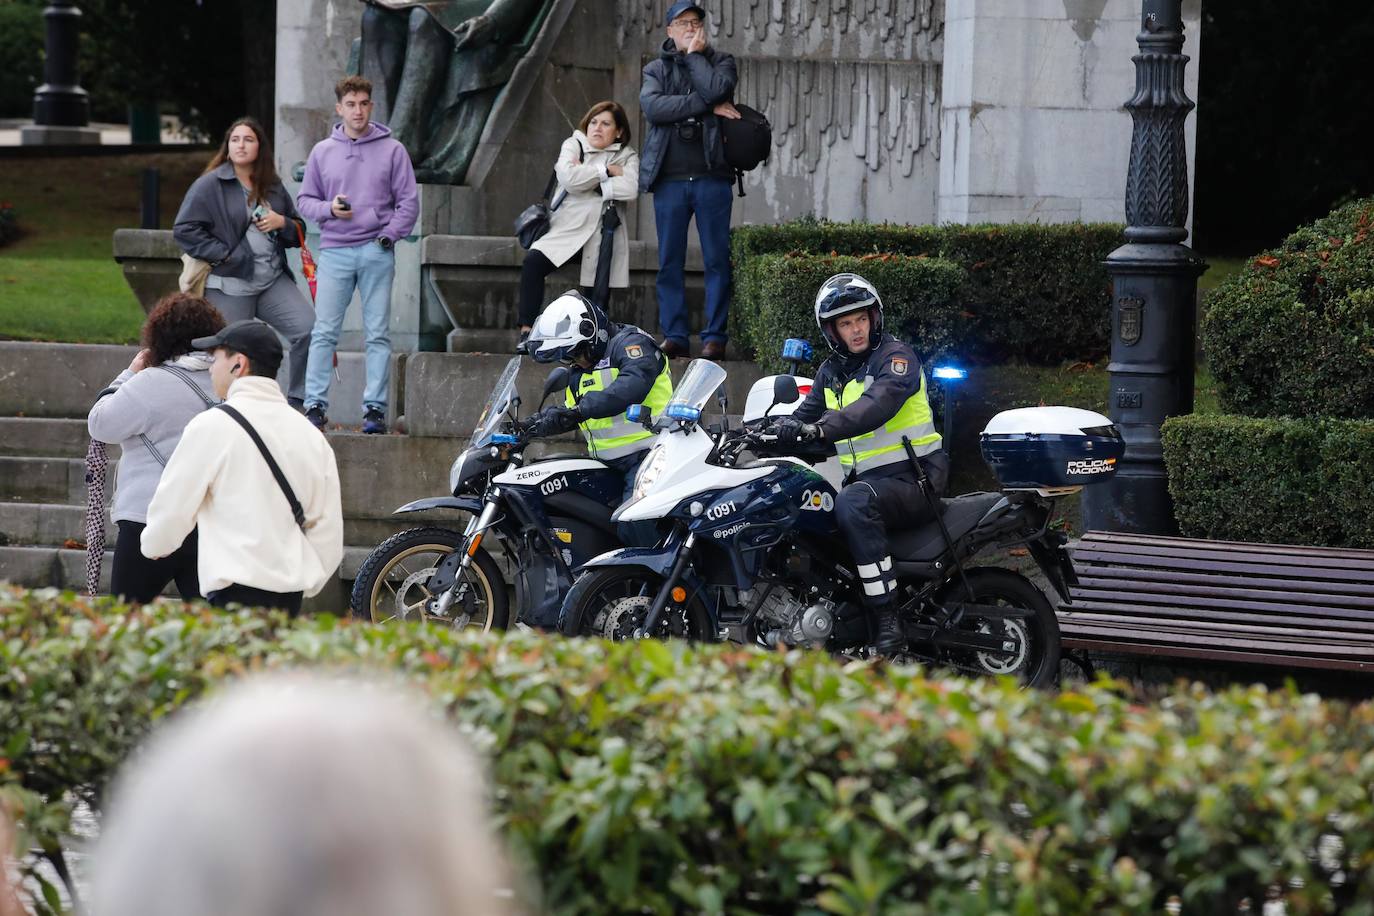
615	437
883	445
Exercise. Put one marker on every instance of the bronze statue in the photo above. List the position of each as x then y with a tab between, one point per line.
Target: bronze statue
436	70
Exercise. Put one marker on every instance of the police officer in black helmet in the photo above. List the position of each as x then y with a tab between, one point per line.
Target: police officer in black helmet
866	397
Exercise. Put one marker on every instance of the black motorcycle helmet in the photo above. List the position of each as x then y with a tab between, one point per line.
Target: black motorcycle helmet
840	295
568	327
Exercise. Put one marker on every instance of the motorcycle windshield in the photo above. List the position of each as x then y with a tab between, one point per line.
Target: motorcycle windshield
691	395
489	421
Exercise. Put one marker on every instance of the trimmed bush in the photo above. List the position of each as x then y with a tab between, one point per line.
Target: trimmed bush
917	300
1293	334
1031	291
663	778
1272	480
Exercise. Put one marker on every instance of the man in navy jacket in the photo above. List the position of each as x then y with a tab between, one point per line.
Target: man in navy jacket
685	91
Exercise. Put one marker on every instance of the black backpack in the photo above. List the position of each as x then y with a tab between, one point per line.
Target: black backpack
748	141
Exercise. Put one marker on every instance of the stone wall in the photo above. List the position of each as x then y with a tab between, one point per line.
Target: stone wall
1033	127
852	91
907	110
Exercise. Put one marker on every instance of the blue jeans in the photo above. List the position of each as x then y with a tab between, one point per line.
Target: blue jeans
369	268
675	203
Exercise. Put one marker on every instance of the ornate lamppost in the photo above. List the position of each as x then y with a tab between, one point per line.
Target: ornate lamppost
1154	285
61	109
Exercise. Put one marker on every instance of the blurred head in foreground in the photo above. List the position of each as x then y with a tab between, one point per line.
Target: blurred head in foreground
301	796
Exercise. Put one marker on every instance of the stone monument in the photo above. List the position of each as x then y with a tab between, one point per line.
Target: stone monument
437	69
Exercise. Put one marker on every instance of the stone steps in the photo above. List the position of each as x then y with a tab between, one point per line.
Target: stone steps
47	437
32	524
56	567
45	480
47	389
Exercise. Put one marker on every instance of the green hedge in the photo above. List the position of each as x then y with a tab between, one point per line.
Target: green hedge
1293	333
664	778
1272	480
917	298
1031	291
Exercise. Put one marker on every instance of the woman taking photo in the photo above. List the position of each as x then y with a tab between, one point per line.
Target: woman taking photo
595	164
144	411
239	218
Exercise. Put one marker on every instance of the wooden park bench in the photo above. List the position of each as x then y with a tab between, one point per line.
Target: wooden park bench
1226	601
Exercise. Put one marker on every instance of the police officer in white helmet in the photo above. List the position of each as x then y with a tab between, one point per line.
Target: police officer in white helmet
612	367
866	397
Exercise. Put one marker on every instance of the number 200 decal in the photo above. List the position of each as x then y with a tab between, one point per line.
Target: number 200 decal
817	501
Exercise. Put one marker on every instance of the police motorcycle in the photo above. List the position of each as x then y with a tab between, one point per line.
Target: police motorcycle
752	551
548	515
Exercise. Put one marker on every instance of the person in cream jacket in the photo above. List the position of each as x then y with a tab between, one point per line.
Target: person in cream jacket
252	551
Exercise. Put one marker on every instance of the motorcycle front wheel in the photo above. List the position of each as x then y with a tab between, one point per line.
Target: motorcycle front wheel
612	603
393	583
1034	659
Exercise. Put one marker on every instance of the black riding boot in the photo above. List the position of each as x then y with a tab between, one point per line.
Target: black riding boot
890	639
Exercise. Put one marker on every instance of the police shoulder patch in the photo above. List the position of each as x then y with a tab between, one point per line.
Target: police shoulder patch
634	351
899	365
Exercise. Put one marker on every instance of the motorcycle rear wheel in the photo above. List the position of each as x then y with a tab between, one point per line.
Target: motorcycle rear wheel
610	603
1036	661
393	581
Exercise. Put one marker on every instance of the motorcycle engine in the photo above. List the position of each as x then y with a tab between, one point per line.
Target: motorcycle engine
794	623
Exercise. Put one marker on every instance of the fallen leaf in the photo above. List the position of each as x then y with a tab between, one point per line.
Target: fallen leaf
1267	261
74	544
1019	552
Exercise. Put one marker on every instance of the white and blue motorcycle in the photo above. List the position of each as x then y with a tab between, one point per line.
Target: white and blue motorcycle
751	549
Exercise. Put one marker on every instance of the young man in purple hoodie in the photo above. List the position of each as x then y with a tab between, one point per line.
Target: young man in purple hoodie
360	188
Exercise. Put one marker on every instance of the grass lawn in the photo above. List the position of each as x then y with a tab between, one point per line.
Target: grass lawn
59	280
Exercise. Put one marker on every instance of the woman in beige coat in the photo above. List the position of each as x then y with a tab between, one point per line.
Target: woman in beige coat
595	164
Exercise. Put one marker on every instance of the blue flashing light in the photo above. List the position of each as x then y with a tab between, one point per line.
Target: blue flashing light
504	439
949	373
798	349
635	413
683	412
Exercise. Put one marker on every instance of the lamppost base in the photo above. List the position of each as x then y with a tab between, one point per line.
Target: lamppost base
47	135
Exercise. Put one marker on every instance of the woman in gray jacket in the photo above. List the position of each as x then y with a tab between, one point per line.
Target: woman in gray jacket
144	411
238	217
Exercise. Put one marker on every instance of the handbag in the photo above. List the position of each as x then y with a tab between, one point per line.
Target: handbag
307	262
194	273
533	222
747	140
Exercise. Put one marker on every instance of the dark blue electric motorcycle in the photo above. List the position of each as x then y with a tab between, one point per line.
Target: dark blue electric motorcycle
548	517
751	550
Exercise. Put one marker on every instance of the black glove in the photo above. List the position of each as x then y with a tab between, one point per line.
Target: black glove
552	421
790	429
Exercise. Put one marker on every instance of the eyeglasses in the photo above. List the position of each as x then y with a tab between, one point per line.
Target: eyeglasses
692	23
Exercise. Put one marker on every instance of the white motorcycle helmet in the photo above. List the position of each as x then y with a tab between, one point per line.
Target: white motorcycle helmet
569	325
840	295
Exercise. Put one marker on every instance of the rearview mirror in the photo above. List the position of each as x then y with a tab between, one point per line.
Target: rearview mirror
785	390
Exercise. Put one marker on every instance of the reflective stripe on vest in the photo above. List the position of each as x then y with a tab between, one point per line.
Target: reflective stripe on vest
614	437
884	444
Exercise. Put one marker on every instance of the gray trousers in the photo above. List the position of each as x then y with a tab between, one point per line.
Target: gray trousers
287	310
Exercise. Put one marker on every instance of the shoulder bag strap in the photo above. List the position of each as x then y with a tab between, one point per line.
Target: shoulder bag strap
553	180
152	449
296	511
190	383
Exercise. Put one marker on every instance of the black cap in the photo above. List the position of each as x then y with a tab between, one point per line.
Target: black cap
680	7
250	337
